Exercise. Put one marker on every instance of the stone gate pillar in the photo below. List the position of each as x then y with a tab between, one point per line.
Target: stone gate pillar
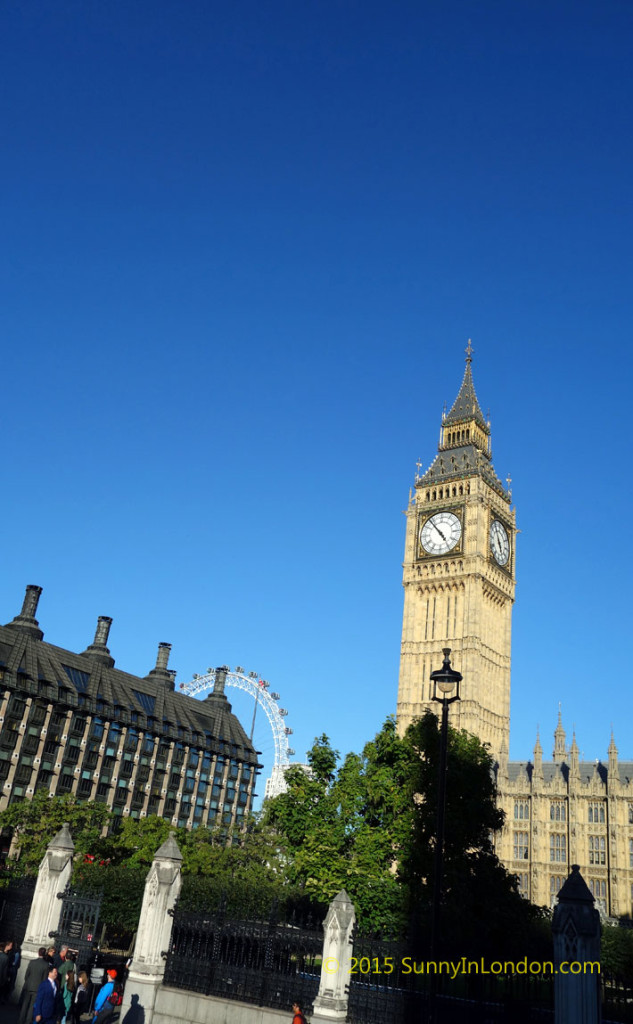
576	935
162	886
53	876
331	1002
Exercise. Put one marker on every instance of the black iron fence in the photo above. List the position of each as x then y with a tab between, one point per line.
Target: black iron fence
389	984
15	906
617	1000
78	924
270	958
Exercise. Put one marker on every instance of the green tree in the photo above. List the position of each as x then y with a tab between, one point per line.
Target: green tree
370	828
341	828
616	954
121	888
35	822
137	840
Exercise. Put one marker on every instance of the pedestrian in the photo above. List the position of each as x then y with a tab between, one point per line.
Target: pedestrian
47	1009
81	1002
65	963
36	972
104	1006
51	956
67	993
5	948
14	966
298	1014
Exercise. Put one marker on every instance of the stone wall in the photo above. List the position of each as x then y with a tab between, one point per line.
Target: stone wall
173	1006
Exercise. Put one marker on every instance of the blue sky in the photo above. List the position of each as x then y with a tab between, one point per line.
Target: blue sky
244	248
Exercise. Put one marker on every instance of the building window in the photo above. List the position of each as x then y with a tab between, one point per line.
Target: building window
521	810
522	882
596	814
558	810
597	850
555	885
65	783
520	845
631	853
557	848
96	729
598	887
630	814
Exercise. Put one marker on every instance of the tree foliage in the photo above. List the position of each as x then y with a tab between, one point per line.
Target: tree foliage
121	888
366	824
616	953
370	828
35	822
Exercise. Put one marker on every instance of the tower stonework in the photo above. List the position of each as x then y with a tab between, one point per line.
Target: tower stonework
459	582
459	578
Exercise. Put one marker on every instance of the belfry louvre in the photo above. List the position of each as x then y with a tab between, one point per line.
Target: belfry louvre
73	723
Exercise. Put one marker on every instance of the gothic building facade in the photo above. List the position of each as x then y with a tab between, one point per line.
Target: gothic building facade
459	584
73	723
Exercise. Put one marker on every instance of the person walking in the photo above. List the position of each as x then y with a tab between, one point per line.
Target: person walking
66	963
81	1002
68	993
47	1009
104	1004
36	972
5	949
298	1014
15	958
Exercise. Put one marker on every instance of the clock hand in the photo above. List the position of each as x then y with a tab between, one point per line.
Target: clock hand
440	532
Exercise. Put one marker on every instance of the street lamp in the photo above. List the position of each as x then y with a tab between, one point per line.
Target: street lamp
445	681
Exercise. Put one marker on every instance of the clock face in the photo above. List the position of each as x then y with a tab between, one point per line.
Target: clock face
499	543
440	533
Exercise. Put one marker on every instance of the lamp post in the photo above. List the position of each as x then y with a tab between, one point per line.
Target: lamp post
445	681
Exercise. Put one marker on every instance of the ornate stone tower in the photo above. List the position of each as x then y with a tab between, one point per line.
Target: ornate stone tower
459	578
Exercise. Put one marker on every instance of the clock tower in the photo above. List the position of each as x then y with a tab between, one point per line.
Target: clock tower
459	578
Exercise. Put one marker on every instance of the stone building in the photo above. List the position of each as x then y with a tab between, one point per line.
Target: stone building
459	584
73	723
459	577
567	811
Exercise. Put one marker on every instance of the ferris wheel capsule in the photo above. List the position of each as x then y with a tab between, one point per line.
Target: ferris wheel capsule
256	688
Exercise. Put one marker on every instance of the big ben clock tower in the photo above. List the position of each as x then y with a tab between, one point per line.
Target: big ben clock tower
459	577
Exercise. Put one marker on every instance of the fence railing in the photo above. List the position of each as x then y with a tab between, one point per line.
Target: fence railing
390	984
15	905
271	959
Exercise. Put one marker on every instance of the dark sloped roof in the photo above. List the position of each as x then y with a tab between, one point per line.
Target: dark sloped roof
93	678
560	769
575	889
466	405
453	463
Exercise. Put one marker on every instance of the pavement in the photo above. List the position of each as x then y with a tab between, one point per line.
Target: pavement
9	1014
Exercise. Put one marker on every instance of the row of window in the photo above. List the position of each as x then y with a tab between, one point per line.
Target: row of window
558	848
16	708
596	812
59	723
445	492
597	886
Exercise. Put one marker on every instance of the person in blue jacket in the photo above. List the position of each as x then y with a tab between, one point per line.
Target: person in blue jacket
101	1002
47	1008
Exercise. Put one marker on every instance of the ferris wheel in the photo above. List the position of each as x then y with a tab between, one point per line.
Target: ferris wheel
259	690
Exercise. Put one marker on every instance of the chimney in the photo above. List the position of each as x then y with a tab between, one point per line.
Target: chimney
160	672
98	650
218	694
220	680
26	621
